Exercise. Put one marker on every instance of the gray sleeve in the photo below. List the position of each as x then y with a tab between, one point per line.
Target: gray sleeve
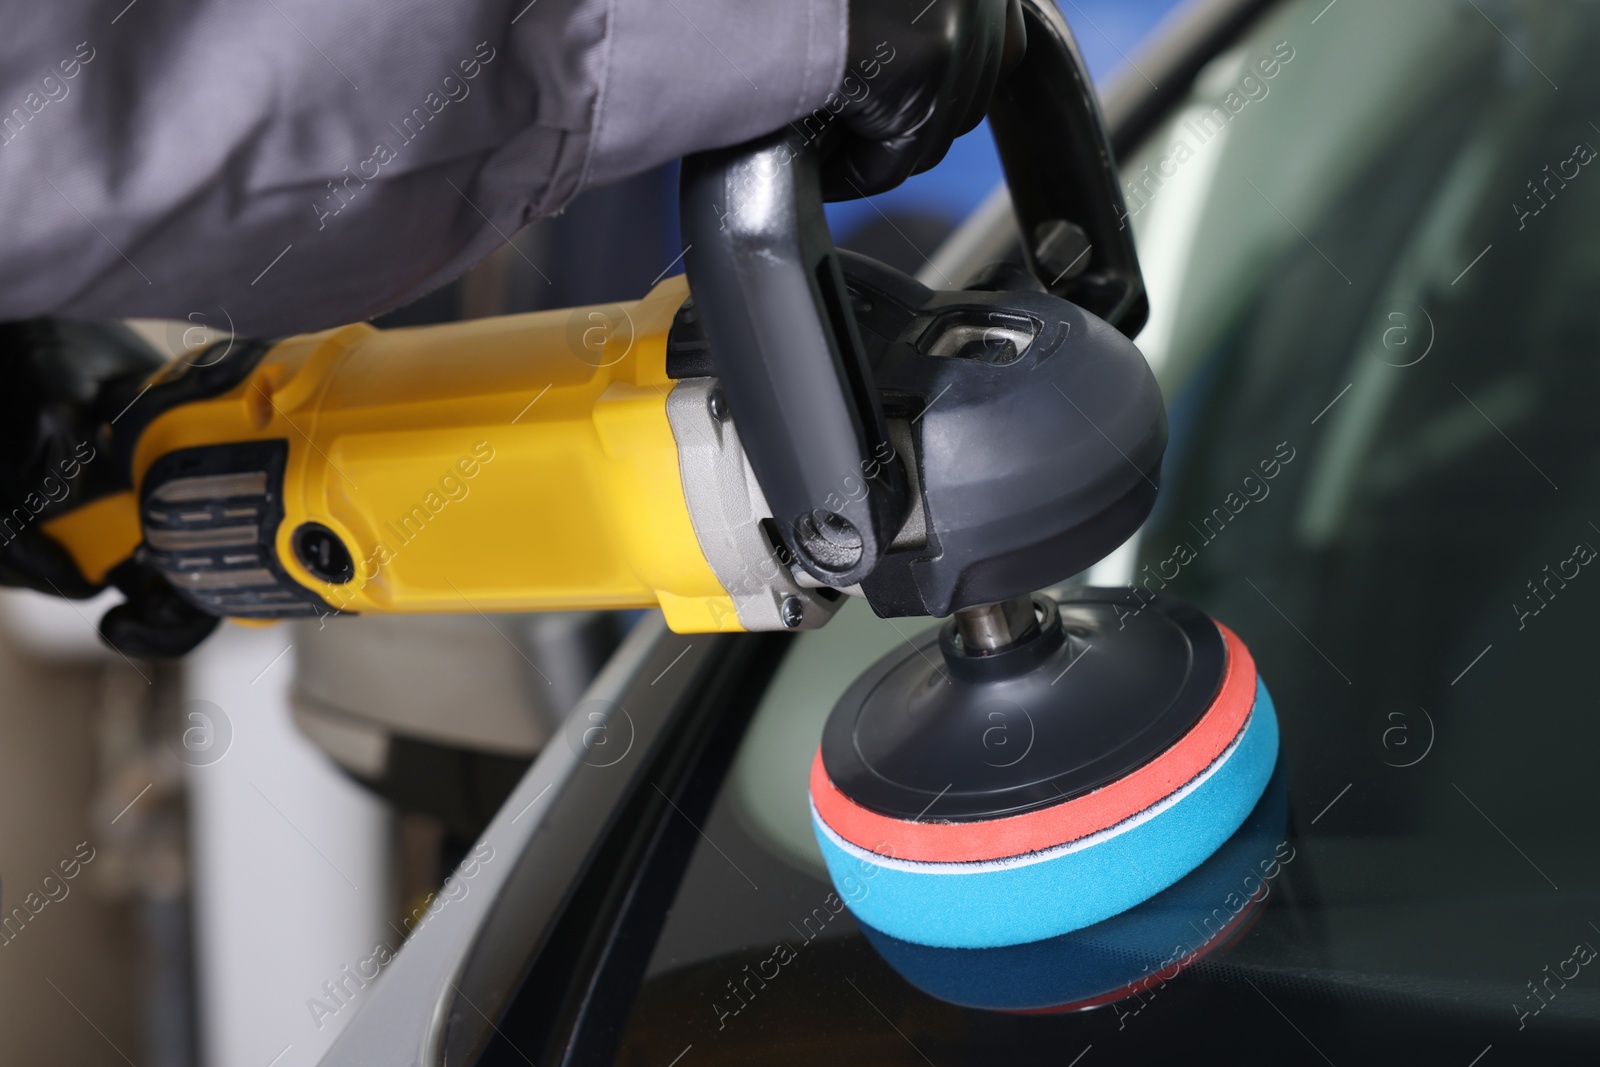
295	164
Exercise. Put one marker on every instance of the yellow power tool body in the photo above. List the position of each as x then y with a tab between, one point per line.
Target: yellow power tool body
523	463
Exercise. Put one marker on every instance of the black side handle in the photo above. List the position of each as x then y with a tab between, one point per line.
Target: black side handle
767	284
1046	120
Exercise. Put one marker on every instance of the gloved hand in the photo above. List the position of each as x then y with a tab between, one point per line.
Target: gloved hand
65	383
918	75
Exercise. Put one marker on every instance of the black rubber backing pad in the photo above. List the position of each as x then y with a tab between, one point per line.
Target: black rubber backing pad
1041	724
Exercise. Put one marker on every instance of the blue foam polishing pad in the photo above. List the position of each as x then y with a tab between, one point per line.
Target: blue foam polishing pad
1044	894
1127	955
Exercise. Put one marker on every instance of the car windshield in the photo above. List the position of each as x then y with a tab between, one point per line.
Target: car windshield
1372	244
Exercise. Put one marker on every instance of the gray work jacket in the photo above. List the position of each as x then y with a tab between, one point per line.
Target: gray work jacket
305	163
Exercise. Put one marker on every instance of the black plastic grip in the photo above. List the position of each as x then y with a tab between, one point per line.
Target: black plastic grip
767	284
1046	120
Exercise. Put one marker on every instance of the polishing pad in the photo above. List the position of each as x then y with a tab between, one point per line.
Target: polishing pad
976	801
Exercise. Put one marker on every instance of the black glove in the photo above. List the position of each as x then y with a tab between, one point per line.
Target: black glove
65	384
50	439
919	74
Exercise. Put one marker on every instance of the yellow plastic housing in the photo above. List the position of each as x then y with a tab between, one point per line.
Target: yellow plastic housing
522	463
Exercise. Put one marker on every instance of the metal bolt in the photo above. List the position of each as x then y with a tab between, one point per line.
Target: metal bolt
792	612
719	405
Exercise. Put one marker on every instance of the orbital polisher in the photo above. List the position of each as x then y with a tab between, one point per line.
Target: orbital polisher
808	425
1036	765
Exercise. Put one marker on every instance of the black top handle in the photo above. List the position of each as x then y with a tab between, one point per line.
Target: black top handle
1065	193
769	290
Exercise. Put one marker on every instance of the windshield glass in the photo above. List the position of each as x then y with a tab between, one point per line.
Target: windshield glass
1370	238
